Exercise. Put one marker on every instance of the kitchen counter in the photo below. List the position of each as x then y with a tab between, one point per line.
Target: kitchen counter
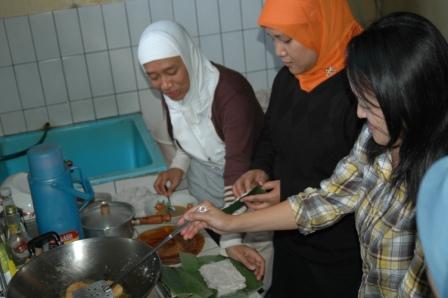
210	248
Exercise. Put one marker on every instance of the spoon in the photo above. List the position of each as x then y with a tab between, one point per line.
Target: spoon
102	288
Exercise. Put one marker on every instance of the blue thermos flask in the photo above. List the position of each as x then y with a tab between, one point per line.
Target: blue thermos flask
54	197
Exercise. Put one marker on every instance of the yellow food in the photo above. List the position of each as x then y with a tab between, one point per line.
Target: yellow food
117	290
73	287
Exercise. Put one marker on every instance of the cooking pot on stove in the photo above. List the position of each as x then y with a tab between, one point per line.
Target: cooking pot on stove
108	219
49	274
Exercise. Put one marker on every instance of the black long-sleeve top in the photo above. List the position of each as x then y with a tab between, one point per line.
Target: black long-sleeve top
303	138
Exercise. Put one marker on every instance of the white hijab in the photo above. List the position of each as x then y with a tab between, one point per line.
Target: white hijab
191	116
165	39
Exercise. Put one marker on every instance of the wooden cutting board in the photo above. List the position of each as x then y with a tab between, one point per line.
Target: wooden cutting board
169	253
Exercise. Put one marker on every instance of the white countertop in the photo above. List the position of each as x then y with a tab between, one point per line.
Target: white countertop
210	248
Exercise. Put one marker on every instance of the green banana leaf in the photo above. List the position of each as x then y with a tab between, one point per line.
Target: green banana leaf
186	280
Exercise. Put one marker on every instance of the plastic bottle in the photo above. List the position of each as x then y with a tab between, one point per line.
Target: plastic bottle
6	196
6	200
17	238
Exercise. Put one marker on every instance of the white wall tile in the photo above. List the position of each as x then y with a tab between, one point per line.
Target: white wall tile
230	13
100	73
185	14
138	18
9	93
5	56
153	114
105	188
123	70
142	80
36	118
13	122
208	16
272	59
59	114
116	25
82	110
44	36
161	10
272	73
255	49
128	103
92	28
76	77
144	181
105	106
53	81
69	32
233	50
251	10
211	47
20	41
258	79
30	88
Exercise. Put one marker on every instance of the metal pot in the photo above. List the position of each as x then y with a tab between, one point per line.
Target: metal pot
49	274
108	219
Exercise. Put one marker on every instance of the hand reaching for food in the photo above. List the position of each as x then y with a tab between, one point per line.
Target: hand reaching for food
249	257
167	181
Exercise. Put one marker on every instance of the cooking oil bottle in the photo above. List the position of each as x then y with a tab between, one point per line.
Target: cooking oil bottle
17	238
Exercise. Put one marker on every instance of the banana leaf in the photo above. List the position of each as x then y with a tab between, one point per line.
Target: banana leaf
186	280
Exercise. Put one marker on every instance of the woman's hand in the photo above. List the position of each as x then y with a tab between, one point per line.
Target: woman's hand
270	198
248	180
213	218
167	182
249	257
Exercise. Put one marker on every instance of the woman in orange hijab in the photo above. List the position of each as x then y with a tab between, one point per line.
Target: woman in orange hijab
310	125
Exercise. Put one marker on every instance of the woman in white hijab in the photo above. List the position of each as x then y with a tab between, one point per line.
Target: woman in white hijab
214	119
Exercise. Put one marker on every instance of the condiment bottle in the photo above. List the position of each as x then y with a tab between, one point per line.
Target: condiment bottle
17	238
6	265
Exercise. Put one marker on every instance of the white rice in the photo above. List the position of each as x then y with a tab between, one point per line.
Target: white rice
223	277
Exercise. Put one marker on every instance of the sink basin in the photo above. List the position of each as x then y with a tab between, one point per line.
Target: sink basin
105	150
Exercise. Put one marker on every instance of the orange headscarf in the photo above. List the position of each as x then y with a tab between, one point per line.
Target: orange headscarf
326	26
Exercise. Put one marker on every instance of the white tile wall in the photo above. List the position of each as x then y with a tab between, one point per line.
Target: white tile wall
183	12
116	25
10	94
5	57
30	89
208	16
19	38
53	81
77	79
82	110
92	28
80	64
161	10
44	36
138	18
211	46
68	31
100	73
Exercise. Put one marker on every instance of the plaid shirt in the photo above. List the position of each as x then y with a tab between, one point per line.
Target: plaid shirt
385	220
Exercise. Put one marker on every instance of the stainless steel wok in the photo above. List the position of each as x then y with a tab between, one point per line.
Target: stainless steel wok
49	274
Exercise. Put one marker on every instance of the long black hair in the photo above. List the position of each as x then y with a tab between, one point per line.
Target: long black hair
402	60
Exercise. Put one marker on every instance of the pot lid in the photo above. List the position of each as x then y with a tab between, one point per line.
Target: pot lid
104	215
